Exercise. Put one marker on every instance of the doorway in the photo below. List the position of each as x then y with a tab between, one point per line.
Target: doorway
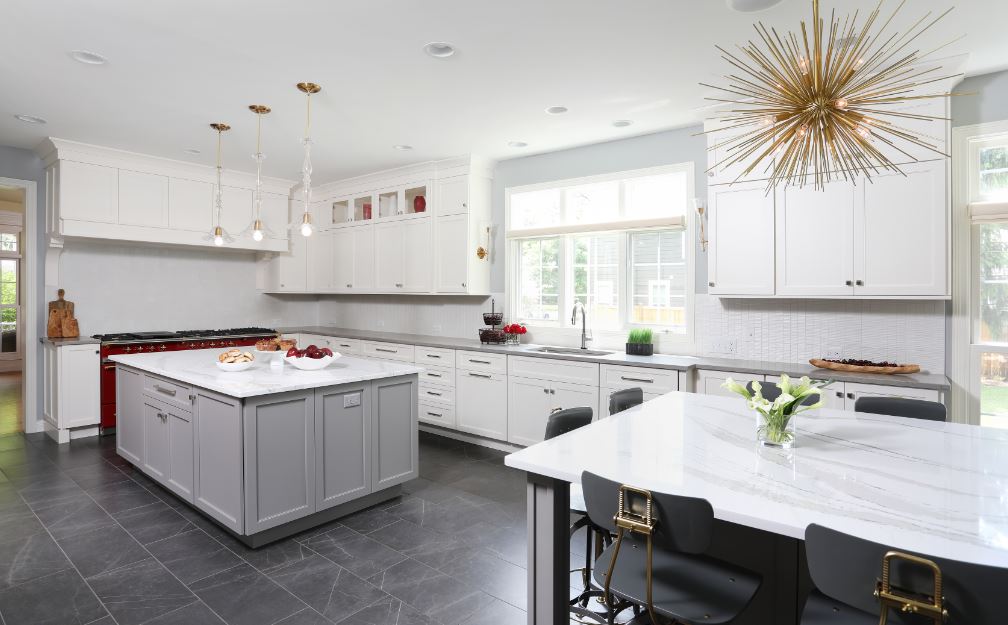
16	208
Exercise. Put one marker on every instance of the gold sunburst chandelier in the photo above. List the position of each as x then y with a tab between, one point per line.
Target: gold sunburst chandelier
828	102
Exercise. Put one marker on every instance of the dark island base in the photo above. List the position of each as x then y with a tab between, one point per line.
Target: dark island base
780	560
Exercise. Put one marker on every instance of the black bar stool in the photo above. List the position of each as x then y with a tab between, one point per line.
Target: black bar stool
625	399
902	407
857	579
657	560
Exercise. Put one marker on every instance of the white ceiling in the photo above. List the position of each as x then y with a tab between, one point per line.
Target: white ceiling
174	67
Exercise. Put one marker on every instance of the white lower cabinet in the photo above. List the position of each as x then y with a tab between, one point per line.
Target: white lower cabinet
709	382
854	391
653	383
481	403
531	401
72	396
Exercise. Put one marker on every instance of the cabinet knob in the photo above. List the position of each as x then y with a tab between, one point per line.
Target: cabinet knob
859	282
463	285
850	395
546	390
399	284
464	205
848	283
552	391
349	286
710	284
839	395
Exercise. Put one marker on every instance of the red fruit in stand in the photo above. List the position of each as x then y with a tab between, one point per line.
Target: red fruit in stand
293	352
326	351
315	355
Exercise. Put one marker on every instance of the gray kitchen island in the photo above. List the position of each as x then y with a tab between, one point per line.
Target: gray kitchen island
270	451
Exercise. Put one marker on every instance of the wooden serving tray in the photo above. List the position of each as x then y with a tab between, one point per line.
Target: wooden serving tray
836	366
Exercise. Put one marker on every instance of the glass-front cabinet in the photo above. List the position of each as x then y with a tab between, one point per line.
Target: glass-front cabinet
397	202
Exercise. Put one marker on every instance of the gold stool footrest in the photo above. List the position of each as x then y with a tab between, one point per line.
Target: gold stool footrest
891	598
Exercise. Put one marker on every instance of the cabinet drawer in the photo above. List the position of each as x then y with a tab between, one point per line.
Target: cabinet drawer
478	361
709	382
388	351
554	370
651	380
442	376
435	356
347	347
437	394
436	414
169	392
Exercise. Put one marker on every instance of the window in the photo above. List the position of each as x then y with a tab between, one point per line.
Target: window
993	174
10	293
619	244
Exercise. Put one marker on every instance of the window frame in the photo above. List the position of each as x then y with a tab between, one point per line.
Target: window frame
665	336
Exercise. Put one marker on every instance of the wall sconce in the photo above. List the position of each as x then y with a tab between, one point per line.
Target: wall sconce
483	250
701	208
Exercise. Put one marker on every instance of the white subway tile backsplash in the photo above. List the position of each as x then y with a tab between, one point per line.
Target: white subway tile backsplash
796	330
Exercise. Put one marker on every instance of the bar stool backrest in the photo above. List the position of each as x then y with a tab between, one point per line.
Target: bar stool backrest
567	420
847	568
625	399
902	407
684	523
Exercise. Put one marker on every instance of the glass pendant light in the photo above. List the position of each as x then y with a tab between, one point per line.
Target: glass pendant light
308	88
218	235
258	231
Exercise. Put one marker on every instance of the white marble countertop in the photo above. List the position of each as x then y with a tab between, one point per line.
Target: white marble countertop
199	368
935	488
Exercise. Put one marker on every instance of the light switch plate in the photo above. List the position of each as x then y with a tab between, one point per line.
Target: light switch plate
351	400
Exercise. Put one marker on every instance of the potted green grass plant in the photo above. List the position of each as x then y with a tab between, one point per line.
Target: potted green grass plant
639	342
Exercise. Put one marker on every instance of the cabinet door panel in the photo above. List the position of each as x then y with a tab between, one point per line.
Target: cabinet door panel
180	446
292	266
572	396
343	260
320	262
88	192
452	253
481	403
709	382
274	214
528	407
157	459
854	391
453	196
80	386
389	256
741	251
236	213
190	205
815	240
394	431
343	444
364	258
143	199
418	261
279	459
129	415
218	467
902	228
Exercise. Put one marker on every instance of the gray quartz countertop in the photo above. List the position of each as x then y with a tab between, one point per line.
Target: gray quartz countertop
80	340
659	361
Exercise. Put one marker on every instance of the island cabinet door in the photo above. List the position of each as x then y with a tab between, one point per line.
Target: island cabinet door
129	415
156	453
394	431
180	452
279	459
217	488
342	444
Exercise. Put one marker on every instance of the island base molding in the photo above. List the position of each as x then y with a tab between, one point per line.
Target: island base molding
780	560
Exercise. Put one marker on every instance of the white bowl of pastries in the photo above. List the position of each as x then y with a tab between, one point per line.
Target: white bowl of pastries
235	360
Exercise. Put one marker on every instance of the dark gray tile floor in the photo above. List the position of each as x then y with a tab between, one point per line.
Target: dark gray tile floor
86	539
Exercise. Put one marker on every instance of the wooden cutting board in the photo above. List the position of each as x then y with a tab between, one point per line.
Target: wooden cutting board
838	366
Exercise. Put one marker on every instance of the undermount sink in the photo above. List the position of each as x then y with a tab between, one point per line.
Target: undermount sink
569	350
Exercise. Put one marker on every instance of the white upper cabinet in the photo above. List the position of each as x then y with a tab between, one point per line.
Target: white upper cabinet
113	195
343	260
190	205
364	259
143	199
815	240
389	257
453	196
903	224
741	249
88	192
452	259
418	256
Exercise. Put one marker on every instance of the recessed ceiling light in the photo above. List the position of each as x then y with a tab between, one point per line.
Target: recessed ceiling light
192	151
30	119
751	6
88	58
439	49
556	110
517	144
403	147
623	123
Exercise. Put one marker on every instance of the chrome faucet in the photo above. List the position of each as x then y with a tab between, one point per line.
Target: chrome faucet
584	334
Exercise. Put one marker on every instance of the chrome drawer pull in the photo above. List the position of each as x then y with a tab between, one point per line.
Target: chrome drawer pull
433	356
434	375
387	351
623	377
166	391
435	414
480	362
434	394
481	375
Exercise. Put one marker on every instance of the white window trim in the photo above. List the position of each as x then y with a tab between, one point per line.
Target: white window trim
545	332
964	356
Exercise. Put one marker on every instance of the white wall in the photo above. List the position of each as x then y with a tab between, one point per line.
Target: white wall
433	315
119	287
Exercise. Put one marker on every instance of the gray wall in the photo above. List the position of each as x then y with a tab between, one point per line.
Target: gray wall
25	165
989	104
662	148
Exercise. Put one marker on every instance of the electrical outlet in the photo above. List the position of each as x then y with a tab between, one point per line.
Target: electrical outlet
349	401
722	346
380	323
833	354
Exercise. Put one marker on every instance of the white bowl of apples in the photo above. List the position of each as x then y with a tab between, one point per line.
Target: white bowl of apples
311	358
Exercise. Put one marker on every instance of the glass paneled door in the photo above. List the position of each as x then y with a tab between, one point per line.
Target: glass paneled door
10	295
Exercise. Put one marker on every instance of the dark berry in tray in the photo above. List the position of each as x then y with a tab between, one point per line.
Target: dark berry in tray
861	363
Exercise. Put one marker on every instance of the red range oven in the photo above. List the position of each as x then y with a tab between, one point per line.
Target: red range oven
149	342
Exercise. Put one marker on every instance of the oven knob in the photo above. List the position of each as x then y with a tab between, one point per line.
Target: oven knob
212	344
128	349
163	347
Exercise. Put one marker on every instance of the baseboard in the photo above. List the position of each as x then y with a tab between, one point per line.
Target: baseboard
470	438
